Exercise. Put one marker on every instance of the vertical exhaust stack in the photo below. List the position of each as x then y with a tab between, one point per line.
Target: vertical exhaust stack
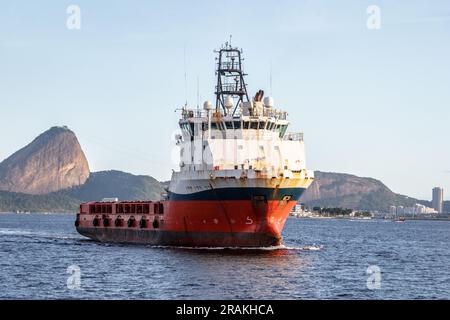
259	95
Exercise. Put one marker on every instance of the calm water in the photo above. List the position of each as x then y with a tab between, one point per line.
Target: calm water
324	258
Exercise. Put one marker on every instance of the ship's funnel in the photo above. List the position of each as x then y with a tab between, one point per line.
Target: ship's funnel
259	95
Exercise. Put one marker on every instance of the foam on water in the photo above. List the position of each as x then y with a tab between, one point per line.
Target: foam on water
273	248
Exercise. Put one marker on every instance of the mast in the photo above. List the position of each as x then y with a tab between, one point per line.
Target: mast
230	78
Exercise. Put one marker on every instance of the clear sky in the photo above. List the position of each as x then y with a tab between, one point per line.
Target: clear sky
374	103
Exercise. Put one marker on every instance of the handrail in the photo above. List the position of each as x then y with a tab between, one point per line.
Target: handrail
293	136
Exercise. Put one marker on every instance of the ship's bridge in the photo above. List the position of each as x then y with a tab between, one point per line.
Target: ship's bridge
253	119
252	139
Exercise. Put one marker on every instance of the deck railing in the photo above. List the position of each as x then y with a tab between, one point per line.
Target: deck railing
293	136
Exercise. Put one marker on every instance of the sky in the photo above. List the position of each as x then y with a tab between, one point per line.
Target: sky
371	102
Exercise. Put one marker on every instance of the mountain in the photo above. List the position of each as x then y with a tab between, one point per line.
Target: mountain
103	184
53	202
331	189
52	174
51	162
117	184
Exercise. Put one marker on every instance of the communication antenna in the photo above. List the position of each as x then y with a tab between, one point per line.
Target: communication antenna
198	93
270	79
185	76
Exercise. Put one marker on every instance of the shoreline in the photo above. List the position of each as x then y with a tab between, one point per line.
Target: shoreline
379	218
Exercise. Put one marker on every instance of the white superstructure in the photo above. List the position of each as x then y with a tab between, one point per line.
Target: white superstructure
238	139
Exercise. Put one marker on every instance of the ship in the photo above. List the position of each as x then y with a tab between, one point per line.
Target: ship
240	174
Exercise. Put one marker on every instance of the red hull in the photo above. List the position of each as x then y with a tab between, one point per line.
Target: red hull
232	223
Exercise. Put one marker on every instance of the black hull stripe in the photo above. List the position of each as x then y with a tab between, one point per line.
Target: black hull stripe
239	194
173	238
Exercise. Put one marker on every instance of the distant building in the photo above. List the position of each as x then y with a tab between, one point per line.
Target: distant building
299	208
419	209
438	199
416	209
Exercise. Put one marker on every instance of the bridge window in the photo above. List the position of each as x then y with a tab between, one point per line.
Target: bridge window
184	126
213	125
246	124
283	130
237	124
229	125
262	125
253	125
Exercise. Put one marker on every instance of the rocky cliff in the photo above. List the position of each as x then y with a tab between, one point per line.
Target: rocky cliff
51	162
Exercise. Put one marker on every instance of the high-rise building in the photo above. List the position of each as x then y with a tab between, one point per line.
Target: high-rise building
438	199
393	210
